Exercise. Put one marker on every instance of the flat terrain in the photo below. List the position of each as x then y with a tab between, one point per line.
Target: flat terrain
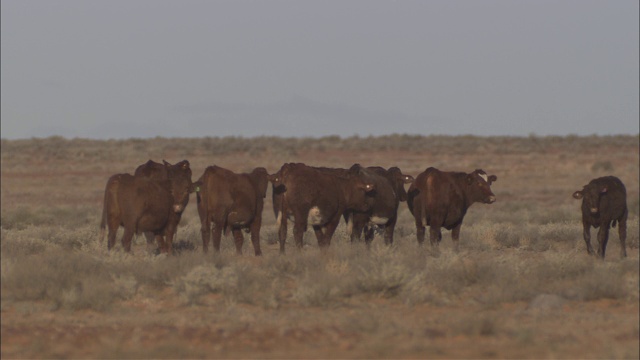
522	285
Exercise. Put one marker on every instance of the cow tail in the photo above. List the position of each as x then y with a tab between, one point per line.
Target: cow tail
281	219
103	221
423	208
281	210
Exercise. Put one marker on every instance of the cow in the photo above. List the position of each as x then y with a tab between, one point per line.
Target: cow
319	197
154	170
231	201
144	204
604	202
389	185
441	199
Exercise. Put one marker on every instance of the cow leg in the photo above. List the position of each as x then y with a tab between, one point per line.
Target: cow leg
435	235
113	223
369	232
160	242
622	233
389	229
299	227
329	229
238	239
357	226
205	231
111	237
420	231
455	236
127	237
168	241
586	233
255	235
282	233
151	240
317	229
603	238
217	236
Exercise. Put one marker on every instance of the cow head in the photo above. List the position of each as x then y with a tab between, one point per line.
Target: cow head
398	179
479	186
152	170
181	184
590	195
360	189
277	184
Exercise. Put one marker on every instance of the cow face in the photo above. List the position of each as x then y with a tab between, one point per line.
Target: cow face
398	180
361	191
479	185
590	195
181	185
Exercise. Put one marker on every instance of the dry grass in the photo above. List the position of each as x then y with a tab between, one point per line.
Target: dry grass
521	286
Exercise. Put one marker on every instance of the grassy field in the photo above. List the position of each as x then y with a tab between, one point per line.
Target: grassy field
522	285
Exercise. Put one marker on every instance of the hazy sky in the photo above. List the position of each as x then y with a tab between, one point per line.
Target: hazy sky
146	68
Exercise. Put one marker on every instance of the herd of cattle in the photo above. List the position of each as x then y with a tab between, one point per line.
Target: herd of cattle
153	199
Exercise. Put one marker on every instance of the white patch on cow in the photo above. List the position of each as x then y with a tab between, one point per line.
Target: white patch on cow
378	220
484	177
315	218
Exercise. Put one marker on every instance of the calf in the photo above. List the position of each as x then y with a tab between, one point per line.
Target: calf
604	202
389	185
231	201
143	204
441	199
318	197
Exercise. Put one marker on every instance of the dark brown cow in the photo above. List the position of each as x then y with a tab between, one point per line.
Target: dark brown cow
441	199
604	202
389	192
143	204
157	171
231	201
318	197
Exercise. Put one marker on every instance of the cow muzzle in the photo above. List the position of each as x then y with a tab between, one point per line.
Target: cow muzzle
178	208
491	199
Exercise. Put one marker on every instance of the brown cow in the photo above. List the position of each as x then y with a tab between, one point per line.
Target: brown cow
231	201
142	204
389	192
441	199
157	171
319	197
604	202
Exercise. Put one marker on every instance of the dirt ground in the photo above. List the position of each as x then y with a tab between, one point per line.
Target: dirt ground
156	323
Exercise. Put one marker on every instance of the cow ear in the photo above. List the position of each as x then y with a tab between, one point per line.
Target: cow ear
355	169
492	178
274	178
578	195
165	162
408	179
